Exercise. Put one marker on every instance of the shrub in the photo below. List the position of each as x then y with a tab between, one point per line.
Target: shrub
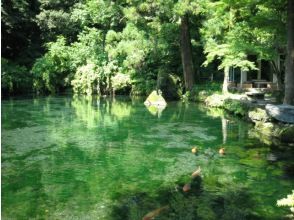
201	91
14	78
236	107
51	70
87	79
120	81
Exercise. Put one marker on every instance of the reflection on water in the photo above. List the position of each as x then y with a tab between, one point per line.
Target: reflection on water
89	157
156	110
224	129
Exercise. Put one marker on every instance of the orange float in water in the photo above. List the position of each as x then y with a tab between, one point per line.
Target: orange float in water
222	151
194	150
187	187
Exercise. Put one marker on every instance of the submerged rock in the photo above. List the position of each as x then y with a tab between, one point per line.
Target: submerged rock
155	99
283	113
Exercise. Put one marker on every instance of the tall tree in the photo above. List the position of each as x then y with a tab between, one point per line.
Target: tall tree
19	32
186	53
234	29
289	73
222	36
226	79
55	18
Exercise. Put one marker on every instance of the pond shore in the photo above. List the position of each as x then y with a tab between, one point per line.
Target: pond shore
268	129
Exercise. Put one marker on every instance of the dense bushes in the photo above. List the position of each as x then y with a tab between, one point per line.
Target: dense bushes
51	70
137	40
204	90
96	63
14	78
86	79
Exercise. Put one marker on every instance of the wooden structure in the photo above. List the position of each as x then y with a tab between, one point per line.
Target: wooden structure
263	79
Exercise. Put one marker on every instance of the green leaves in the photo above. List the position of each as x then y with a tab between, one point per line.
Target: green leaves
234	29
140	38
86	79
14	78
50	71
129	48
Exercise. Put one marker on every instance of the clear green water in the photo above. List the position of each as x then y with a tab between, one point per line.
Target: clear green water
89	158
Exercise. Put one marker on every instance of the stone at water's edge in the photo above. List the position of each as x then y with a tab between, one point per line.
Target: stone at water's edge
283	113
155	99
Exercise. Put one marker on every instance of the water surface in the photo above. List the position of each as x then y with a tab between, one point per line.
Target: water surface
89	158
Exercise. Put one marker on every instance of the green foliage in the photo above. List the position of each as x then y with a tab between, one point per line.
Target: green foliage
120	81
141	86
186	96
104	13
14	78
136	39
54	18
129	48
20	37
88	47
236	107
202	91
86	79
235	29
51	70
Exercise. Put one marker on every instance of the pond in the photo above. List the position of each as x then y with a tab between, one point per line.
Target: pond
98	158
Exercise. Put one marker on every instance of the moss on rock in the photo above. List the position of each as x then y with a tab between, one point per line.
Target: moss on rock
155	99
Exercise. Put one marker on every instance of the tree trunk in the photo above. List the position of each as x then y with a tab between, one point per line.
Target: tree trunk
278	72
186	53
289	72
226	79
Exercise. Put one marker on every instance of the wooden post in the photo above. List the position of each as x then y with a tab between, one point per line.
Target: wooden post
243	77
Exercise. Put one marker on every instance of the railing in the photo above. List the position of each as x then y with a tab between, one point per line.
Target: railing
259	84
